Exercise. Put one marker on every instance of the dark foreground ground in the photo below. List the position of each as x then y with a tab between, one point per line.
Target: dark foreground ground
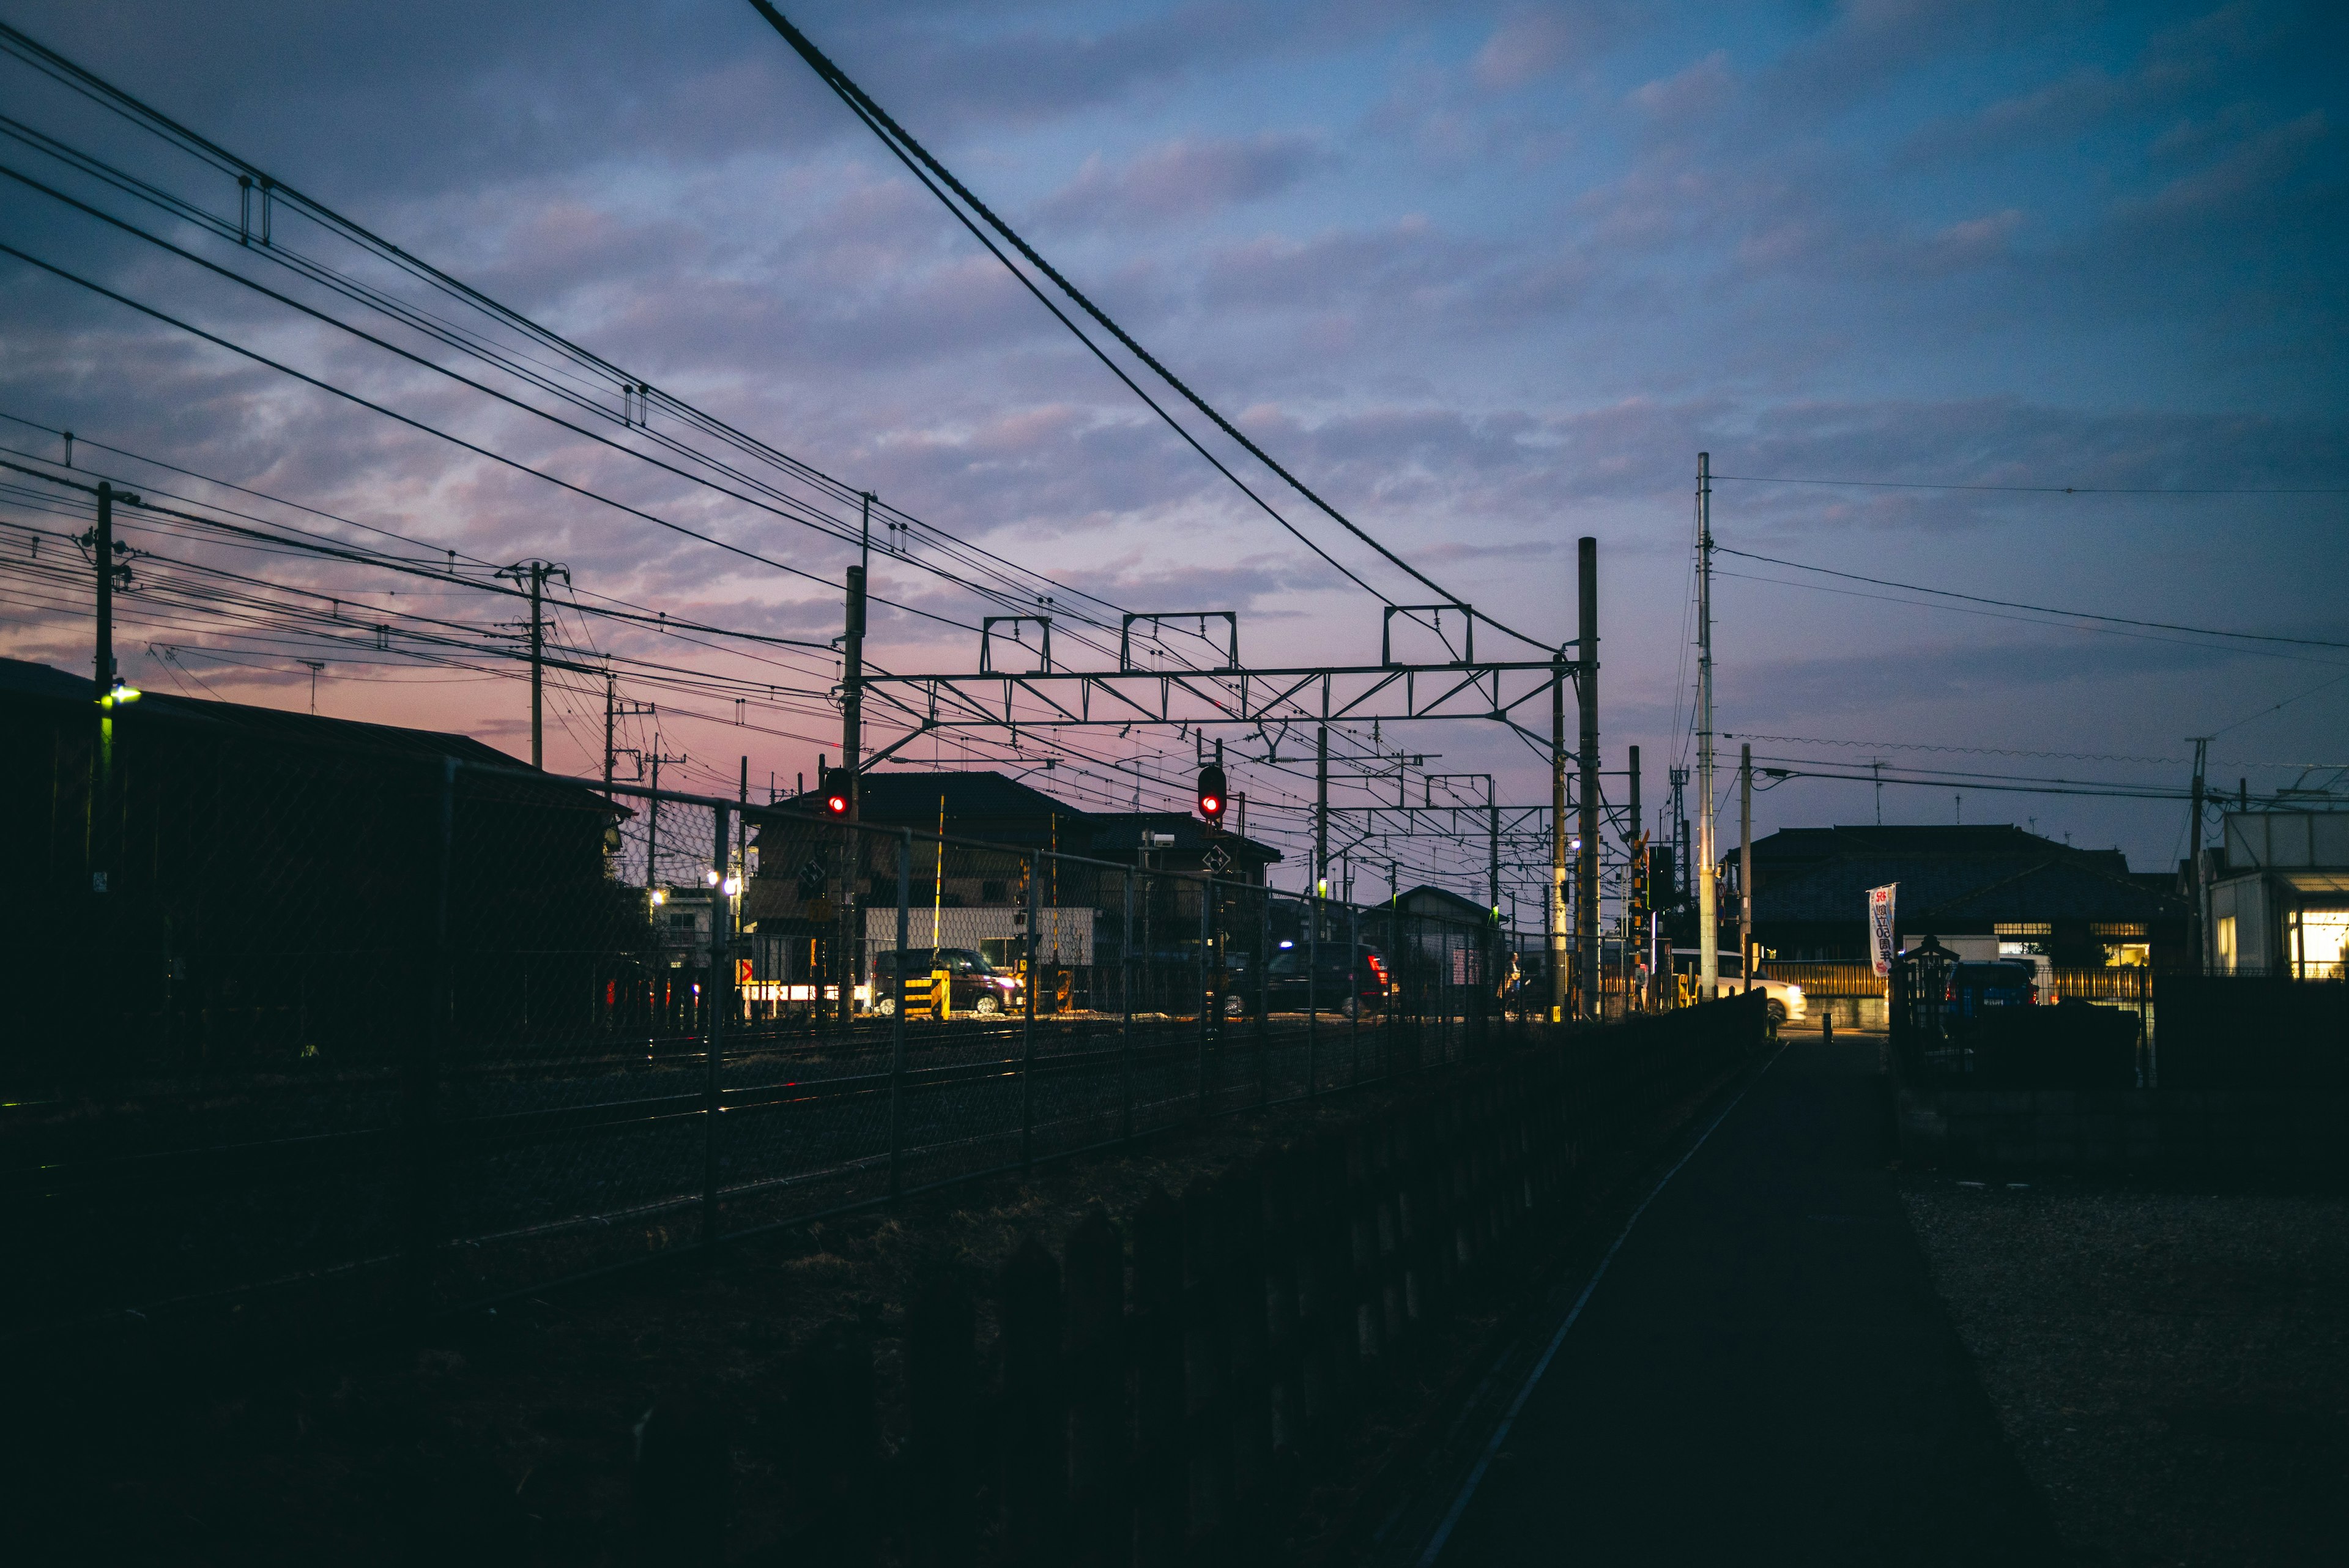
2172	1367
1803	1354
1763	1374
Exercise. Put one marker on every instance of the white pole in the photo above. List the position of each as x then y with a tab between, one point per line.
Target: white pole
1707	894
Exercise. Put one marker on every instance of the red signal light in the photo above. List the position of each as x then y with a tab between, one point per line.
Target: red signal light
837	804
1211	792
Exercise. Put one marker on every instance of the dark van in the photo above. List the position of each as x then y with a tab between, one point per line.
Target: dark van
973	984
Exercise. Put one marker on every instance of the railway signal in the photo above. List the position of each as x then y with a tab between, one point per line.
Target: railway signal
1212	795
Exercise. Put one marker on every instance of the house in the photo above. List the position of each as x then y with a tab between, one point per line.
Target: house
2280	894
191	879
969	891
1995	889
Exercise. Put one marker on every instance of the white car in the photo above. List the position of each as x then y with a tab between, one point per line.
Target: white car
1786	998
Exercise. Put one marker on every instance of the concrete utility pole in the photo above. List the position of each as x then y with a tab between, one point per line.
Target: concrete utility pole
852	756
2201	926
852	688
101	839
1586	875
1556	924
102	667
1746	864
536	574
1708	894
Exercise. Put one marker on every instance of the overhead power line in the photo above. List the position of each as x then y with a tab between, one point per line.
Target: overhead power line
902	140
2035	489
2038	609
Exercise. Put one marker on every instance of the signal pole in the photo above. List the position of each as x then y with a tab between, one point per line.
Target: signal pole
2201	926
1746	863
1320	809
1586	875
1555	925
1635	844
1708	894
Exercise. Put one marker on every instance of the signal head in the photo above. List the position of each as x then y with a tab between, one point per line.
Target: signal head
1213	796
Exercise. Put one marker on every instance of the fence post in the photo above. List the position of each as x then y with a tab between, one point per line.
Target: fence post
897	1013
941	1405
1100	1518
1125	1018
1035	1470
1204	994
1028	1029
1162	1468
421	1088
1354	987
713	1013
1263	996
1207	1445
1245	1307
1312	1000
834	1436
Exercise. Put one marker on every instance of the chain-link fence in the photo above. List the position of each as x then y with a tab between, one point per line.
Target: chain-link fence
412	1033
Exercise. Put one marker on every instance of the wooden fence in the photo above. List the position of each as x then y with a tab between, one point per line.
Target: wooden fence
2118	983
1162	1389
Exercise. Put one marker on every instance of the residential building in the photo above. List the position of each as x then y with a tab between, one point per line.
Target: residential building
1984	890
2280	894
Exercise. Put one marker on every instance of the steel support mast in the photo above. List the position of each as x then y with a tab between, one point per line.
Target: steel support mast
1555	925
1708	893
1585	874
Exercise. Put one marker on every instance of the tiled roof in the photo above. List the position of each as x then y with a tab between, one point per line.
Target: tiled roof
2020	878
21	678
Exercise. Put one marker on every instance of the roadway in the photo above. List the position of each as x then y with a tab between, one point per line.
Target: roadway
1762	1372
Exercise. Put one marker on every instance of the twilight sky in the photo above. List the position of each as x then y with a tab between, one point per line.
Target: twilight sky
1490	276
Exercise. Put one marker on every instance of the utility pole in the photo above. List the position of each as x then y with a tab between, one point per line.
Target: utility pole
1635	844
1678	779
1557	923
851	758
105	687
1875	766
1708	894
1586	875
652	819
1320	809
537	573
1746	863
103	551
614	711
2200	925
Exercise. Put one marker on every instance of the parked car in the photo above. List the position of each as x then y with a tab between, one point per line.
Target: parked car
974	985
1786	998
1977	989
1286	984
